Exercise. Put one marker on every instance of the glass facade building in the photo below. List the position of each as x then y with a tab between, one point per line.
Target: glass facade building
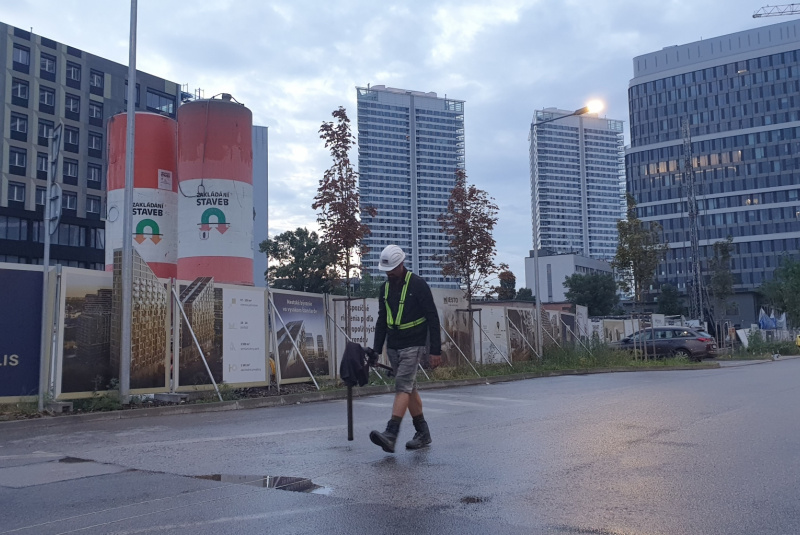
52	83
577	177
740	94
409	147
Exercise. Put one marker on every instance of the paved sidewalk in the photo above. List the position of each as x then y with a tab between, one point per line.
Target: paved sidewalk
735	363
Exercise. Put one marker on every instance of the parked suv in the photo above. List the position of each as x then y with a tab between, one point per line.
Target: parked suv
688	342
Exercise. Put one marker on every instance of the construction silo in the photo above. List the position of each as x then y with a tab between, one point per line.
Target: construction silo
215	191
155	193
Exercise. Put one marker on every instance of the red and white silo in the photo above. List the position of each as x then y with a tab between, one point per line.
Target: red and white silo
155	193
215	203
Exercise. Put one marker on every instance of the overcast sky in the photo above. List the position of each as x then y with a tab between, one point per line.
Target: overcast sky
293	62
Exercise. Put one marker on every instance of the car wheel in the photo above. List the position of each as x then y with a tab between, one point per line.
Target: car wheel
682	353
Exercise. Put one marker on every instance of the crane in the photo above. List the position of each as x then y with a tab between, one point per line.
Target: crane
777	11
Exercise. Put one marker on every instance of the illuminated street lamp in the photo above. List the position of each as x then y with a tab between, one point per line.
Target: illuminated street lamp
593	106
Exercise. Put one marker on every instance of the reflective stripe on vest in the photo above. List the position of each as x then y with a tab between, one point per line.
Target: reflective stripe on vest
392	322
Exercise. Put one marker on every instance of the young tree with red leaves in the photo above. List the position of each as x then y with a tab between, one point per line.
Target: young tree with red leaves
507	289
468	222
337	199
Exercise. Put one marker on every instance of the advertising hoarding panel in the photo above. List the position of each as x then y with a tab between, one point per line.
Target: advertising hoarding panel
20	331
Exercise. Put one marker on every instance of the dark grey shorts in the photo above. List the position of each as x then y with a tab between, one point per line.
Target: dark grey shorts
405	363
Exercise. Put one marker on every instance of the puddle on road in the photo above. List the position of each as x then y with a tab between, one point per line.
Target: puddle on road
295	484
73	460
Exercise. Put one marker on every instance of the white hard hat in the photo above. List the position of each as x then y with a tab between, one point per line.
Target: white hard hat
391	257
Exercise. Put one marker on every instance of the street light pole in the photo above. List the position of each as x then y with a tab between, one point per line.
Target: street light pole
592	107
127	223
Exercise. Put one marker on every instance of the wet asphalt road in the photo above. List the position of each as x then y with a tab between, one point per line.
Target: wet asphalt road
684	452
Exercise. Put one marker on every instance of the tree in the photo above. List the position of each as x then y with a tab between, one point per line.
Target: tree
525	294
369	286
468	222
508	285
300	262
669	301
597	291
337	199
638	253
782	291
720	285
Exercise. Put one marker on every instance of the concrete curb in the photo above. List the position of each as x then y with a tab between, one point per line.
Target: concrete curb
312	397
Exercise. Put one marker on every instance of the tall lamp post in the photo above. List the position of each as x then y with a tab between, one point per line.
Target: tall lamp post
594	106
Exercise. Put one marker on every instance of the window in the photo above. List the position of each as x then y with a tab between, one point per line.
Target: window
95	110
17	158
71	137
70	169
16	192
160	102
93	173
96	82
41	195
92	204
96	79
47	96
73	71
97	238
19	89
13	228
72	106
19	123
69	201
72	103
95	141
42	162
22	55
47	63
126	93
45	130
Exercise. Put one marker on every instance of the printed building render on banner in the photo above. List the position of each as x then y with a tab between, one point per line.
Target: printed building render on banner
551	327
596	330
20	331
300	324
230	326
454	321
521	333
244	351
494	338
150	324
88	316
582	329
202	303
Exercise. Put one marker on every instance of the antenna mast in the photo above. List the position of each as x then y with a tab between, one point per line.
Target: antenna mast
696	295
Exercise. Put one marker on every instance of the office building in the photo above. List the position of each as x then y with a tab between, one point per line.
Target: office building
410	145
739	94
577	177
555	267
47	83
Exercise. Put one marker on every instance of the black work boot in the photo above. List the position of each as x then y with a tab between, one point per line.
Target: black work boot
422	438
387	439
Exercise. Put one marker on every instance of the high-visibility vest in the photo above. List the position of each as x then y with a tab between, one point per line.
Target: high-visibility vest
394	322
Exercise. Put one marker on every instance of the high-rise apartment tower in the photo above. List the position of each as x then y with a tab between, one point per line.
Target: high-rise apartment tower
576	182
410	145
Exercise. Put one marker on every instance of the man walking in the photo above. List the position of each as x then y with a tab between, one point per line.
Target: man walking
408	322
